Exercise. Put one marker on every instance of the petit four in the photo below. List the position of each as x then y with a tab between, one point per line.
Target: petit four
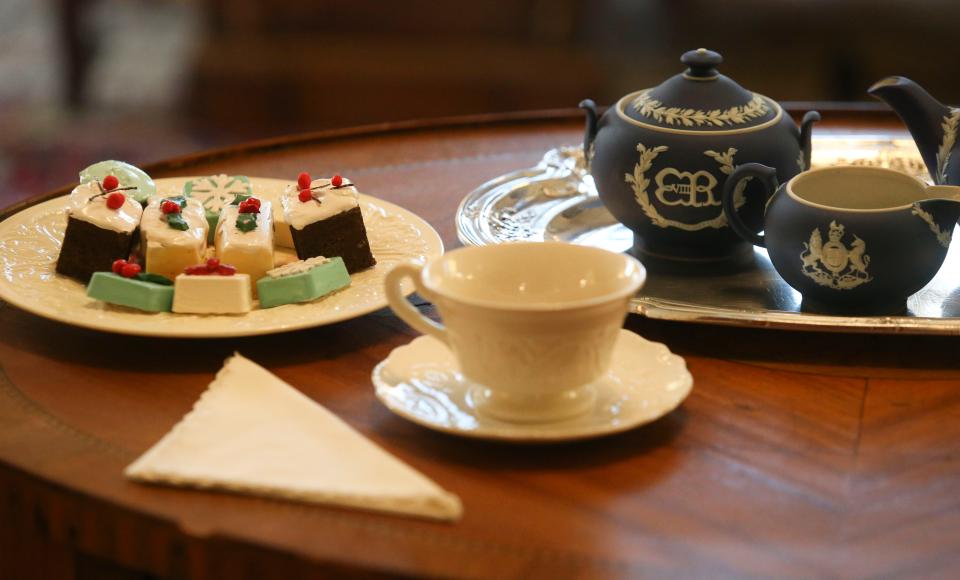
212	288
101	223
302	281
245	237
127	285
216	192
128	175
282	238
325	220
173	235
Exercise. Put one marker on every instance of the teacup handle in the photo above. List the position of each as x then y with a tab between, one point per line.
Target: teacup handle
402	307
767	177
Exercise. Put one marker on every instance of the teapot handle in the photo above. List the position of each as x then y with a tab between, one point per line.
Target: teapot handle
590	132
767	177
806	133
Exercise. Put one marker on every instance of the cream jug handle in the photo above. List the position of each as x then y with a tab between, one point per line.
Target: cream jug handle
767	177
402	307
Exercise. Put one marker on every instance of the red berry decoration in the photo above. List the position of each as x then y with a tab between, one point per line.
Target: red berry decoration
116	200
118	265
195	270
213	264
247	207
110	182
130	270
254	202
226	270
336	181
169	207
306	195
303	180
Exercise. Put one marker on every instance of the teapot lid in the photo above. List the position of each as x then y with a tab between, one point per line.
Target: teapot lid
699	100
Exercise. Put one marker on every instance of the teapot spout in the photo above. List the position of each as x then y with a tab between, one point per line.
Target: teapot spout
590	133
928	121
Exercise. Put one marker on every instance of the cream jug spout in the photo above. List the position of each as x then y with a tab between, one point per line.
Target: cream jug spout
942	207
932	124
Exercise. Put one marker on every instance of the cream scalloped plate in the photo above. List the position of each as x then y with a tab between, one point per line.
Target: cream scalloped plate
30	243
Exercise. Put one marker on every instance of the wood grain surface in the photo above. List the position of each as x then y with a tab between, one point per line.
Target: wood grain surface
797	454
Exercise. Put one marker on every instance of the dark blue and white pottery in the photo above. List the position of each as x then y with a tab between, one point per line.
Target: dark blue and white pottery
933	125
851	238
660	157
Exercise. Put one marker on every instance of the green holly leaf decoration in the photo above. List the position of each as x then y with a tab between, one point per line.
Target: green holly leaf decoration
247	222
176	221
239	198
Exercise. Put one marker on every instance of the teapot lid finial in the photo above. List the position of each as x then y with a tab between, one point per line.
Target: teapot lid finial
702	63
700	100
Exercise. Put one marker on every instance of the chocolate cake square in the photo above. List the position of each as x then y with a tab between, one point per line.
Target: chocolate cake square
88	248
341	234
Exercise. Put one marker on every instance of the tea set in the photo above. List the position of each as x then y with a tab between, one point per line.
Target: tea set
693	168
530	347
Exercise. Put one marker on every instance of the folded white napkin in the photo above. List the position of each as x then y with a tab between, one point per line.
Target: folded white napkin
252	433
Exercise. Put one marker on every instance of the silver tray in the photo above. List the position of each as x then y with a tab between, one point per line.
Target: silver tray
557	200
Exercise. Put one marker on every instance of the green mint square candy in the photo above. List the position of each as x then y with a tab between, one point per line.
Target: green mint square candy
147	296
302	281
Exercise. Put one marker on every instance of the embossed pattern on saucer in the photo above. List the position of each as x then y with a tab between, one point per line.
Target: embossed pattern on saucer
420	382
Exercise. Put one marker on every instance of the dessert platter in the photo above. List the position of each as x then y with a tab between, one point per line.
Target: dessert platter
652	182
207	256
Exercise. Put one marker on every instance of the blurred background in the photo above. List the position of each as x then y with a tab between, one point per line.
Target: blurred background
140	80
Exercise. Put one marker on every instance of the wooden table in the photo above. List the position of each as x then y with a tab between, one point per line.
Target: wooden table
796	454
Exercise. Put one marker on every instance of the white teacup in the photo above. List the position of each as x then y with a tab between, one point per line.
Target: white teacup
532	325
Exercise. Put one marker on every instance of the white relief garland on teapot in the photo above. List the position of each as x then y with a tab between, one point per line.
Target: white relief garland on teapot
688	117
682	188
833	264
943	236
949	127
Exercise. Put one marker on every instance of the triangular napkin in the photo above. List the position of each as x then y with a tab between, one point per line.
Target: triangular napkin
250	432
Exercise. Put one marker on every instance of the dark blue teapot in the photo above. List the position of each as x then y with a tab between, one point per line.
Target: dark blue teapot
660	157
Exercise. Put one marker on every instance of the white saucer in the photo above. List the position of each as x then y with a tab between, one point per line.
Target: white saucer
420	382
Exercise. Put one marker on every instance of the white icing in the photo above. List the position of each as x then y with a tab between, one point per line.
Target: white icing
84	207
249	252
298	267
300	214
155	230
282	238
262	235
